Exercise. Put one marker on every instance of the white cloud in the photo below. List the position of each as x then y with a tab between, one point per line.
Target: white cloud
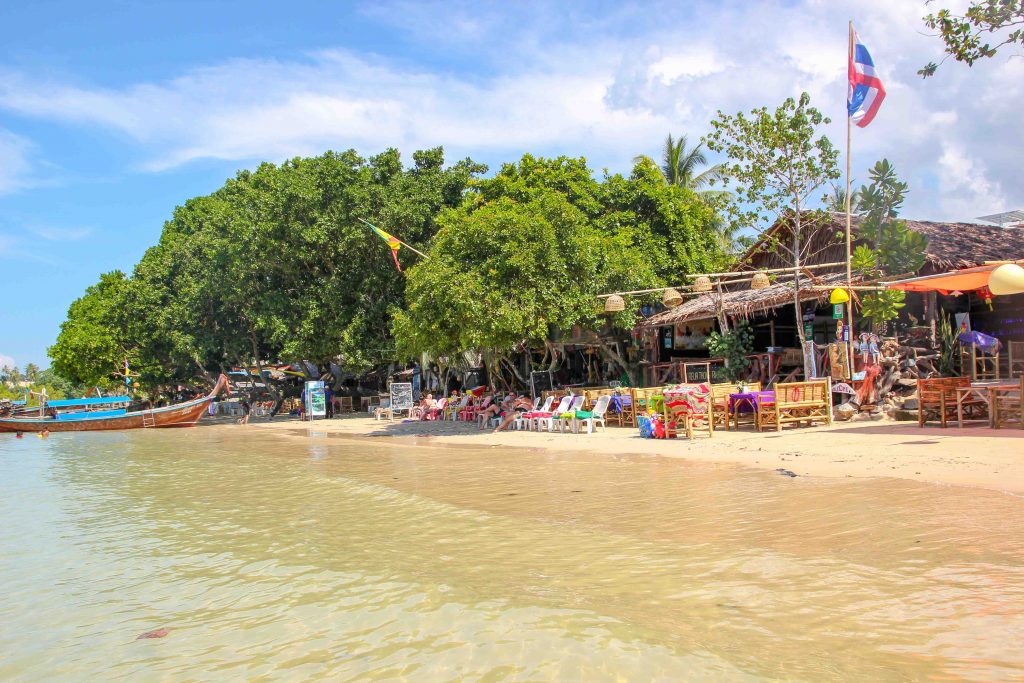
6	361
607	86
15	166
58	234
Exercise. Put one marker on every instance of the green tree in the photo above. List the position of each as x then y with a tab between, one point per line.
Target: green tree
778	162
32	372
92	345
682	166
896	249
530	249
979	33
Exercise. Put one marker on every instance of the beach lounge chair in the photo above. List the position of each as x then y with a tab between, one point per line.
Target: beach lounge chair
546	419
594	417
522	421
544	410
566	420
452	411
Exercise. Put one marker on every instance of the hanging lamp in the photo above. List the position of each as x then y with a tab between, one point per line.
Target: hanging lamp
671	298
838	296
614	304
760	281
702	284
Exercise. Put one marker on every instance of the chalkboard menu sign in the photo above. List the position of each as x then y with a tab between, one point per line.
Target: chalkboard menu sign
541	381
718	375
695	373
401	396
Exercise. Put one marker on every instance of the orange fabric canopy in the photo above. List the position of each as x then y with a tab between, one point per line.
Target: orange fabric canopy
965	280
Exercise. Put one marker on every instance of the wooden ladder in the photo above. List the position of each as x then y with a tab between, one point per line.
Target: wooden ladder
148	420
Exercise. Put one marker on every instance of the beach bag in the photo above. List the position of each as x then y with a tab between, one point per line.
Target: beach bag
646	429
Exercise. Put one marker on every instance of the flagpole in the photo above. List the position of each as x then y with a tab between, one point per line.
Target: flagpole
849	242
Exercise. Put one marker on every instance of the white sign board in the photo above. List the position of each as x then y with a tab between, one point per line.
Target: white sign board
316	399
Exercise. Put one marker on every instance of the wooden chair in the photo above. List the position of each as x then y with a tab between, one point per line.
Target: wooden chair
345	404
1015	351
1008	406
625	416
690	419
797	402
936	399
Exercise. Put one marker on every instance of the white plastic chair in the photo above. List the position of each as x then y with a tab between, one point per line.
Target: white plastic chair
569	423
549	422
600	408
520	422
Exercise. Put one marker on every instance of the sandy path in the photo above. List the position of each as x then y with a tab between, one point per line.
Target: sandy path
975	456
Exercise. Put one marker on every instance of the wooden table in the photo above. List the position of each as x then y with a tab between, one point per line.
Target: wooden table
984	392
750	399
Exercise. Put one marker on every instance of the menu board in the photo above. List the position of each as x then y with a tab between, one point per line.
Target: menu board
401	396
541	381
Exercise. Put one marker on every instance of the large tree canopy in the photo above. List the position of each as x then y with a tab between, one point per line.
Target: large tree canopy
529	250
274	265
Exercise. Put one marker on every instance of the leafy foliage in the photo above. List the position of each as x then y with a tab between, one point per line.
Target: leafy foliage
979	33
897	249
778	162
734	346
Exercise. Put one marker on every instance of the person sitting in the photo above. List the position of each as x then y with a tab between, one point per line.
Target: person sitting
426	404
519	406
495	409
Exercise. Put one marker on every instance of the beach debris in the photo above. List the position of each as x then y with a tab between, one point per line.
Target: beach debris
155	633
786	473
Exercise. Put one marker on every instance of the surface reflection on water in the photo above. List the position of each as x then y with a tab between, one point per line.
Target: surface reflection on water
297	558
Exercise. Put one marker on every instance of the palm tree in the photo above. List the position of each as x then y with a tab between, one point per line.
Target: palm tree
836	202
681	167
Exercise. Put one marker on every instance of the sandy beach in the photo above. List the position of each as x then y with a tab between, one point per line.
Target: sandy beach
973	456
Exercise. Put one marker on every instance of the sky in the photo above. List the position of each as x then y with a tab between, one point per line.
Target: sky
113	113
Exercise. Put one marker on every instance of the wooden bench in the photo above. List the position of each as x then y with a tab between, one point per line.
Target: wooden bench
1008	406
936	399
797	402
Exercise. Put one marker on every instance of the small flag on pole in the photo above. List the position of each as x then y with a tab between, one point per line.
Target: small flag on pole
865	92
392	241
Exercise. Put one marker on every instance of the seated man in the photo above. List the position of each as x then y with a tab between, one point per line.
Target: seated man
519	406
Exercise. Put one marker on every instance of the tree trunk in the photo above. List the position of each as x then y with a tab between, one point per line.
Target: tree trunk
796	277
613	354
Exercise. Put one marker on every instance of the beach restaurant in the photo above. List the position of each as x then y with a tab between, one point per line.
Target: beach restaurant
673	338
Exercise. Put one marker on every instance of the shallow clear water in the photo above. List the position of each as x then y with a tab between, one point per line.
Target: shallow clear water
297	558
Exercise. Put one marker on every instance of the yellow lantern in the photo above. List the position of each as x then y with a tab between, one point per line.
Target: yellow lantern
838	296
1006	279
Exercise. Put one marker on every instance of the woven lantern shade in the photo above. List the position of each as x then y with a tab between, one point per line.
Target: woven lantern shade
671	298
702	284
614	304
760	281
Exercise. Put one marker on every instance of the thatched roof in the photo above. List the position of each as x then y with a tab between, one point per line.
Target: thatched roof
742	303
950	246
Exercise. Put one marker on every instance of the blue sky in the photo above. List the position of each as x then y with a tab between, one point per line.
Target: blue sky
113	113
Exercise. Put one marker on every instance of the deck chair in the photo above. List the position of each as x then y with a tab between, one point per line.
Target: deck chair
528	417
566	420
547	419
521	421
595	417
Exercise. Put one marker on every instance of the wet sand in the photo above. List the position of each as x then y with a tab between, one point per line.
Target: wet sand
972	456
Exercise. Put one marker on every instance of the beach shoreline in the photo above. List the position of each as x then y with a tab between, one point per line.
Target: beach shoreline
972	457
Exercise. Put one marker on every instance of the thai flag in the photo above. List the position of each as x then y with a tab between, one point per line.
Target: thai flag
865	93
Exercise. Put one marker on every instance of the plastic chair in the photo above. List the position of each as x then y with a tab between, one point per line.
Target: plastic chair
596	416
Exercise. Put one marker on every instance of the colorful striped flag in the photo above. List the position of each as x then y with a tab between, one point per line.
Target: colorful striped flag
392	241
865	92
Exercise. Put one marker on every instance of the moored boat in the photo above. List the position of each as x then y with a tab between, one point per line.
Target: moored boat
87	415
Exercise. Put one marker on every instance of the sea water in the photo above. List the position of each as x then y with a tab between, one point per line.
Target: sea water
306	557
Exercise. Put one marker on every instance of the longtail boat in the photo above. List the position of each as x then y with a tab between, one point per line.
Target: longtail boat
107	413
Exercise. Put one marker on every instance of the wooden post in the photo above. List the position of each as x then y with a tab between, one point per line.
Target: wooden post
849	242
